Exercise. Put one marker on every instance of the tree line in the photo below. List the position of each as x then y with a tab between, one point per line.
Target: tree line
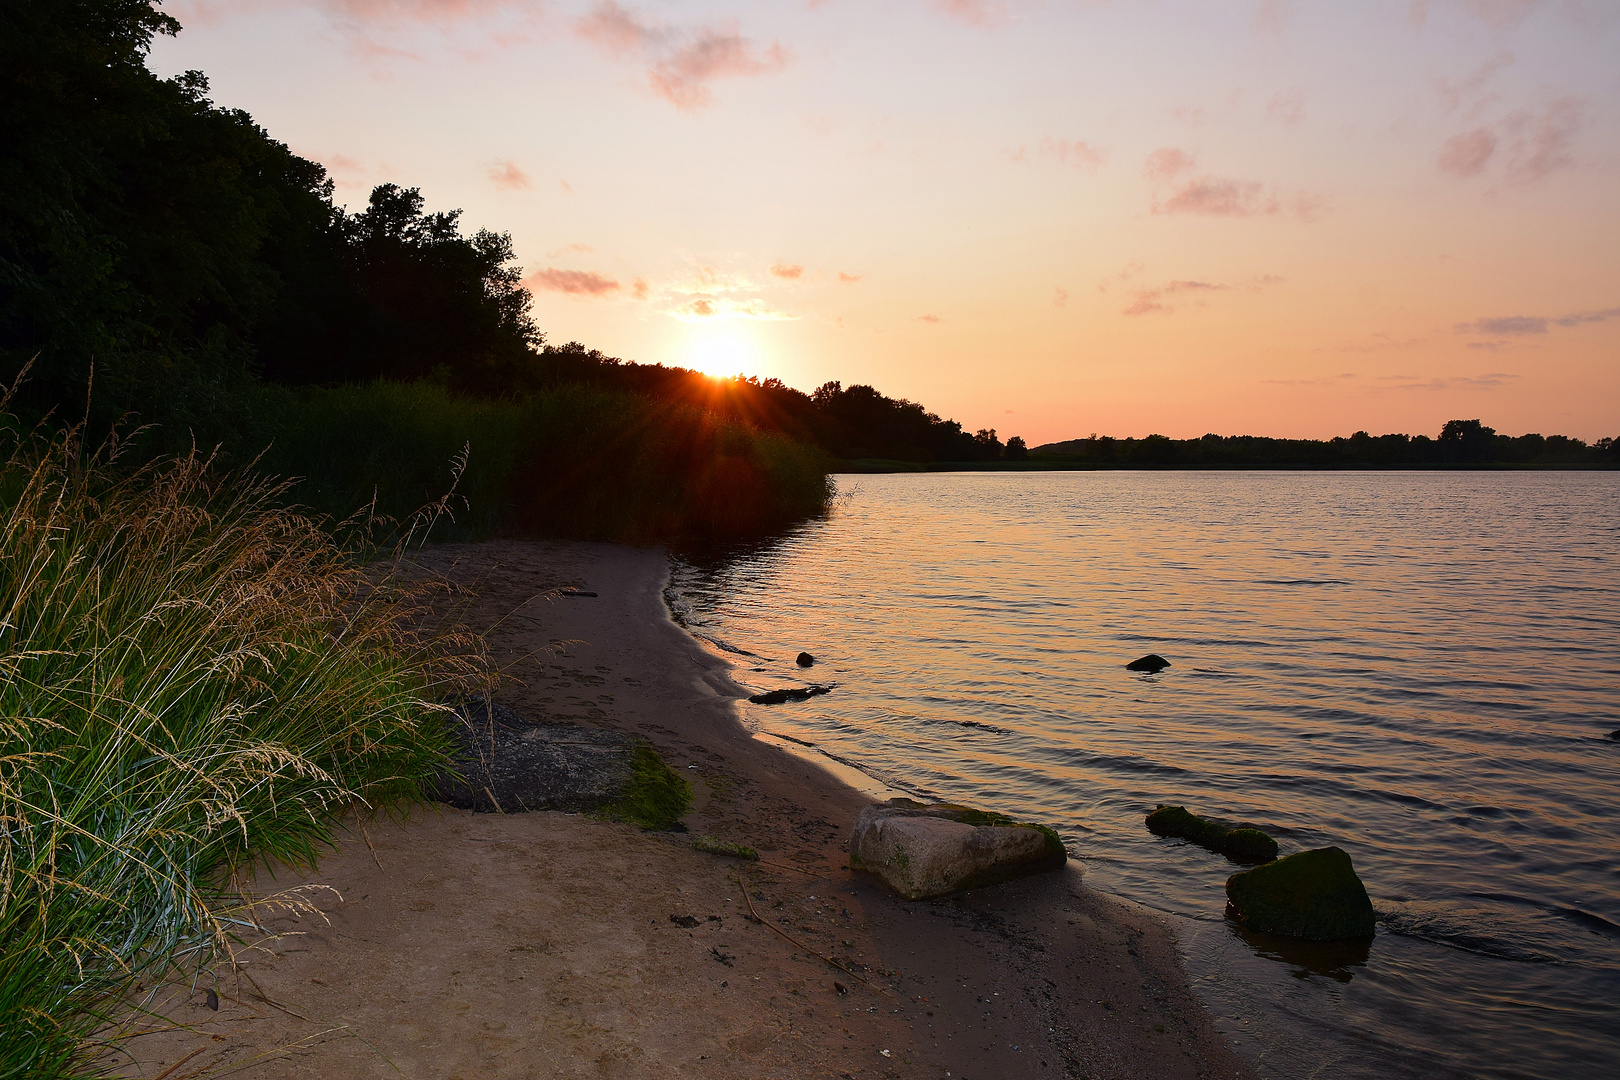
1460	444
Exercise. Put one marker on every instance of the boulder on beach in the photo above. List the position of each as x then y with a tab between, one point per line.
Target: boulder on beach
922	850
505	763
1240	843
1314	895
804	659
1152	663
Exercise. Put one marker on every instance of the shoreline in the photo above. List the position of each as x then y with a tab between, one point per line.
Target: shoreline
550	944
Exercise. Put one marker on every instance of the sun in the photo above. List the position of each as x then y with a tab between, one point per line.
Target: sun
720	355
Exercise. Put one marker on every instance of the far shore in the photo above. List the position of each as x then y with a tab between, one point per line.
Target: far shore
461	946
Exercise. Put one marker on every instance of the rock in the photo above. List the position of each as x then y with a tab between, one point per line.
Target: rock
1241	843
1152	663
931	850
805	659
505	763
1614	735
1314	895
716	846
792	693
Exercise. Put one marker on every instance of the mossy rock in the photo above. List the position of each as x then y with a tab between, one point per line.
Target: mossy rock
713	845
1245	843
1314	895
968	815
656	796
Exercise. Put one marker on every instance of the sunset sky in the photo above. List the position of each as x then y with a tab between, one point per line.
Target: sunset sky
1049	217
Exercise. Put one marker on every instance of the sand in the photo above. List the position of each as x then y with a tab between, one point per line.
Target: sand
462	946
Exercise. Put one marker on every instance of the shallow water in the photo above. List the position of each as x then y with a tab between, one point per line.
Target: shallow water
1422	668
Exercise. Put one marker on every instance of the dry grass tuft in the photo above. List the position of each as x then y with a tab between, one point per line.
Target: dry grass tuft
193	679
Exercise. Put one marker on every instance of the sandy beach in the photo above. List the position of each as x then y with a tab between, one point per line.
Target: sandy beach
457	946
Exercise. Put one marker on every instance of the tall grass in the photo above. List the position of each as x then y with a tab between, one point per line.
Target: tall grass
193	678
566	461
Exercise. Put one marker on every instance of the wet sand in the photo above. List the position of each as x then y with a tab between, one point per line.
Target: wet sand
458	946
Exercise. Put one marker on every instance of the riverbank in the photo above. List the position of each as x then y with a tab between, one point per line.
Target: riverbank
466	945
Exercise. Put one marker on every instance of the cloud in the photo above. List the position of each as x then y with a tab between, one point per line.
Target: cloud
1539	143
507	176
1588	317
1470	89
1167	163
1528	325
1083	156
930	319
1287	107
1488	381
1466	154
787	271
1220	196
849	279
1534	143
1060	296
639	289
1508	324
573	282
681	62
1271	16
1501	13
1149	301
700	308
570	249
974	12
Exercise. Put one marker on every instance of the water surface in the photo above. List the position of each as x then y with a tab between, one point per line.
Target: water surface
1422	668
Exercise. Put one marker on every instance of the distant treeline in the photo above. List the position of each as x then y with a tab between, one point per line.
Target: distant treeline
1461	444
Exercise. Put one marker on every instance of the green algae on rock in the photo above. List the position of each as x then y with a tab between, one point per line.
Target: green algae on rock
713	845
1314	895
657	795
1245	843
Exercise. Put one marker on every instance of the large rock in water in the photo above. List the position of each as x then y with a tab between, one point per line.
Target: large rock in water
1240	843
505	763
1312	894
931	850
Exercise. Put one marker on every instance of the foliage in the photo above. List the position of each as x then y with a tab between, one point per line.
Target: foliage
569	460
192	679
1464	443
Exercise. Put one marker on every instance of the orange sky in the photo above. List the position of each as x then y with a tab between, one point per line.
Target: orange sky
1049	217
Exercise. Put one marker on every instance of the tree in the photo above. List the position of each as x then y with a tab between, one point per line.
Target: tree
1016	450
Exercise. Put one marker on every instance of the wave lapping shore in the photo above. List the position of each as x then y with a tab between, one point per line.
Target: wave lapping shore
459	944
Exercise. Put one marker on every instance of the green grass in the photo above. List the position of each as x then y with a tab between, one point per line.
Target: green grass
194	679
657	796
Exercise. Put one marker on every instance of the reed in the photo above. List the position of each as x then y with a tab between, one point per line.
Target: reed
194	679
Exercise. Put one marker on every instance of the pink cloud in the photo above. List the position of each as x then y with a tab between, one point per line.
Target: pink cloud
1466	154
1271	16
787	271
974	12
680	62
569	249
639	289
1167	163
1287	107
1163	298
1541	143
1534	144
1060	296
507	176
849	279
930	319
1501	13
573	282
1082	156
1219	196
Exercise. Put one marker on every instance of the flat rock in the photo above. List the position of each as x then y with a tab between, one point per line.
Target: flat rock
791	693
506	763
931	850
1314	895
